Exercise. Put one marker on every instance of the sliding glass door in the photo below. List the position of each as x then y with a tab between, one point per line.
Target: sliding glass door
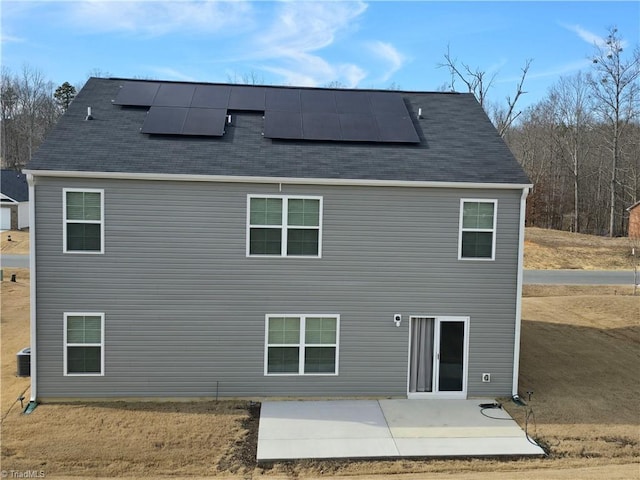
438	357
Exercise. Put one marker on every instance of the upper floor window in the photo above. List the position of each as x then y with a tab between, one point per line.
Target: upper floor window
284	226
83	229
477	237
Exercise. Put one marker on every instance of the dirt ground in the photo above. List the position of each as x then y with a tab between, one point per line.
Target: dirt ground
19	243
580	357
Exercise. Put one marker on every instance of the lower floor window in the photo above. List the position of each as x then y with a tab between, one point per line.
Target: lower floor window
302	344
84	343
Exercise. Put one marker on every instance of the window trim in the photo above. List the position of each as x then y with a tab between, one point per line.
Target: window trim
66	221
493	230
66	345
284	227
301	344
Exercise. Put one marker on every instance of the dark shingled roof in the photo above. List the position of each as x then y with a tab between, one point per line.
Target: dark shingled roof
14	185
458	143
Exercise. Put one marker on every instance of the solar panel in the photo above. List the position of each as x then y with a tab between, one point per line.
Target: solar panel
396	129
174	95
136	94
289	113
352	102
387	103
205	121
285	125
318	101
211	96
247	98
358	127
165	120
321	126
282	100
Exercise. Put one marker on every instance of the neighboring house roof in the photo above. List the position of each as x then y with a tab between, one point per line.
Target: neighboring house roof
457	143
14	185
635	205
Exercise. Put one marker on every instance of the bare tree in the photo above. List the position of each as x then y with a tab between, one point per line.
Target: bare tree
614	86
503	119
251	78
478	82
570	97
474	79
28	113
8	114
334	84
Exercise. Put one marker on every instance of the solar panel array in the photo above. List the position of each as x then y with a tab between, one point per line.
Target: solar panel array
289	113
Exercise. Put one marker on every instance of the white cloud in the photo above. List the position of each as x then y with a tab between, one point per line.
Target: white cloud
6	38
307	26
390	55
284	38
168	73
299	31
155	18
589	37
352	74
316	72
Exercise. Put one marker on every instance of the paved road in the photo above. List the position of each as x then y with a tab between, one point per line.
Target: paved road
579	277
14	261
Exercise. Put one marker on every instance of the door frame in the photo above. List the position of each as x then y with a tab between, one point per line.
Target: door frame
436	352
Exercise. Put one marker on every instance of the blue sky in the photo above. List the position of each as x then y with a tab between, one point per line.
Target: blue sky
358	44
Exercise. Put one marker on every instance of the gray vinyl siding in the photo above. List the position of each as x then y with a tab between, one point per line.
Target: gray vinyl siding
185	308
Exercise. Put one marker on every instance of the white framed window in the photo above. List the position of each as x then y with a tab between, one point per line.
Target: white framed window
284	226
84	344
83	214
477	232
301	344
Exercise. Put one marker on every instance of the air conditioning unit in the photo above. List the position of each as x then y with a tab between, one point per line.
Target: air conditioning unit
24	362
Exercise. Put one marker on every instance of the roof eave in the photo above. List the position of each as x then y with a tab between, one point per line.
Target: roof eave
273	180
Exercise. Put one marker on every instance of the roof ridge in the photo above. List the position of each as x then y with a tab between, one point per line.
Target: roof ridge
290	87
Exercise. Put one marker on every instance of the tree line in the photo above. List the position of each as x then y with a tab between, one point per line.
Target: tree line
580	144
30	106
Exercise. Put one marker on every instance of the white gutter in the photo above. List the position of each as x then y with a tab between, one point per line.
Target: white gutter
32	283
516	346
8	199
271	180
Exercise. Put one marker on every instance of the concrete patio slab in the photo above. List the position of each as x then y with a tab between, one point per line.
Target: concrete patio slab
300	420
447	419
466	447
285	449
387	429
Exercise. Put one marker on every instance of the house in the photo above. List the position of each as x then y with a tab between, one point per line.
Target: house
634	220
14	200
196	240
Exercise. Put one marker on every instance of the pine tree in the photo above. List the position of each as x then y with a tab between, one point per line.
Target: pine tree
64	95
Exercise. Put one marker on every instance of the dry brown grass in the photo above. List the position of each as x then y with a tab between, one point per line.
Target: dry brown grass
19	244
580	355
558	250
